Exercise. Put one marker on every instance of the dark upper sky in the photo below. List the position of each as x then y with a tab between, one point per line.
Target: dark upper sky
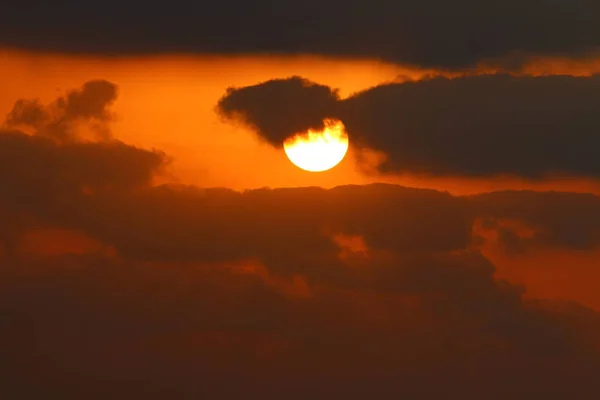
433	33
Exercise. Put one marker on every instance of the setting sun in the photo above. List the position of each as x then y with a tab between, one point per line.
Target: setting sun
316	151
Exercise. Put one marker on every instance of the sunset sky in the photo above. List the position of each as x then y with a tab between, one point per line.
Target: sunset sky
157	243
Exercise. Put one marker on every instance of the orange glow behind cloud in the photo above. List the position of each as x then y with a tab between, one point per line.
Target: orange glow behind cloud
168	103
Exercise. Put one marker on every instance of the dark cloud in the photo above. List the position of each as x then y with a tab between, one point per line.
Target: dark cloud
73	167
95	327
286	96
212	293
50	182
91	101
431	33
56	158
89	104
554	219
28	113
102	188
473	126
49	171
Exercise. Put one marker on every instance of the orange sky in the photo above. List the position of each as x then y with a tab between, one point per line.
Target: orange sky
168	103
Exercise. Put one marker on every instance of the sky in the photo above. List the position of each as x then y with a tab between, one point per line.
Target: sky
157	243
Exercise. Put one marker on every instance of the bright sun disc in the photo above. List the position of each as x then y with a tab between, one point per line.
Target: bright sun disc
318	151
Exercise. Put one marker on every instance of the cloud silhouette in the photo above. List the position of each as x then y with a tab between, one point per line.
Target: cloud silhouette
474	126
430	33
299	105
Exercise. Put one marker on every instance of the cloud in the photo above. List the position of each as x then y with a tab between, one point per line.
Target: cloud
553	219
432	33
105	189
473	126
300	105
50	170
348	292
95	327
58	120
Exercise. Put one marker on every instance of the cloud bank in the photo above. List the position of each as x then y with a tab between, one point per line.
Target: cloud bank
350	292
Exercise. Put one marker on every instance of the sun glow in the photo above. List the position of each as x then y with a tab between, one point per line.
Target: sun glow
317	151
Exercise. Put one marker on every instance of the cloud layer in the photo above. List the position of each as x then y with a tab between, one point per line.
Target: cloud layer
351	292
431	33
473	126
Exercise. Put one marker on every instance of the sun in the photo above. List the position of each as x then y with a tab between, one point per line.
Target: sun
317	151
